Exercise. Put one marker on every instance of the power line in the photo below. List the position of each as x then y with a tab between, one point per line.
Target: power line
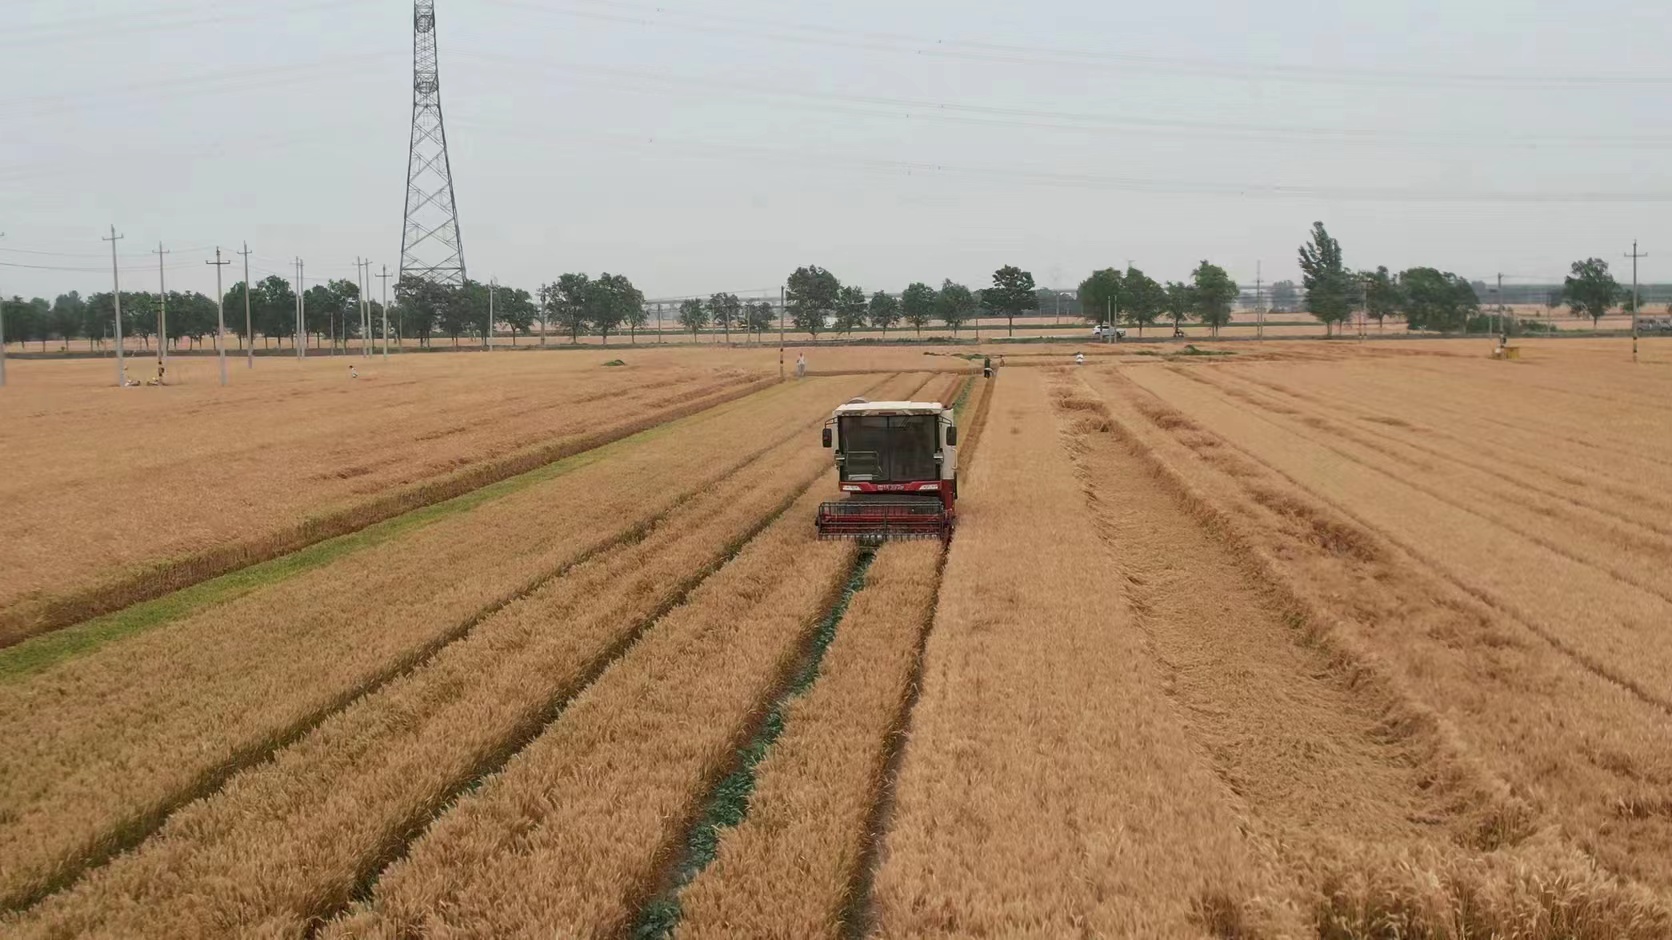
1088	181
984	51
663	83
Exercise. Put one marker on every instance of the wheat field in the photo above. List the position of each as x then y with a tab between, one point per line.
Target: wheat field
1281	639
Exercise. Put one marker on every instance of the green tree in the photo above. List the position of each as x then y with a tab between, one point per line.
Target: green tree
693	315
1590	290
1382	298
1145	299
570	304
917	304
1329	289
954	304
69	317
1101	296
850	309
1213	292
884	311
1285	298
1180	302
611	301
637	317
420	304
1436	300
811	294
724	310
1012	293
758	318
516	308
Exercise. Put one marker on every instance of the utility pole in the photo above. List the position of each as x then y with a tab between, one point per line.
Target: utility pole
162	307
249	334
366	310
301	315
1259	304
493	288
1636	301
1500	321
783	310
220	312
116	298
385	277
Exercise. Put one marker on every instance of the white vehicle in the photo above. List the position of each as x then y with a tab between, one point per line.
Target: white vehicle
1109	334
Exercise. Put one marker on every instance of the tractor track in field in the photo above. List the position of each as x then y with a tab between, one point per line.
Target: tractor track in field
143	825
33	618
1486	597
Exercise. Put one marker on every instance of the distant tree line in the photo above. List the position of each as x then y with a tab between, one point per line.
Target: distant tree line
1110	296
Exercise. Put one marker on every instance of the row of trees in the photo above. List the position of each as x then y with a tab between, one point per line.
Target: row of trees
1110	296
1430	299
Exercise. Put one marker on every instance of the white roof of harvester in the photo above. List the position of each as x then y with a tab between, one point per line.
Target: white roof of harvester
862	407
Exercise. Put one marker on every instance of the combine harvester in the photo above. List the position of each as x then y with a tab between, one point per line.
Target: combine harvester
898	464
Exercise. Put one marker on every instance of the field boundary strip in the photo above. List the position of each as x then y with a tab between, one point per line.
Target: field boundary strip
36	653
143	825
155	580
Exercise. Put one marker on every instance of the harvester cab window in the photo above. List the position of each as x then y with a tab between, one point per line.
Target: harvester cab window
889	448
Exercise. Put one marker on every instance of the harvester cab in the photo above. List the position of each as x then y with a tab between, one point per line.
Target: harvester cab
897	464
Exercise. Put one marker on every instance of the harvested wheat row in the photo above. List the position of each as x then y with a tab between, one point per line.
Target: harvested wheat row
291	839
1046	788
788	869
104	745
1607	624
570	837
1586	766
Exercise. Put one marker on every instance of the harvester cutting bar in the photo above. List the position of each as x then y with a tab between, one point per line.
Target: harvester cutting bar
884	518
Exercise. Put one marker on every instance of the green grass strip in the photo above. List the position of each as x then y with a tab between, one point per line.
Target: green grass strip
42	652
728	805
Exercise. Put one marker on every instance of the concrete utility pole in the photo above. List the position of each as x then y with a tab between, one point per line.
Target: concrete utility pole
493	287
385	277
1259	304
162	307
301	315
220	312
249	334
1500	320
1636	301
366	310
116	298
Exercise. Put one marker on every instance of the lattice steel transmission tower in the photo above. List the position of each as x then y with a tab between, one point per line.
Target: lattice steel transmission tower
431	248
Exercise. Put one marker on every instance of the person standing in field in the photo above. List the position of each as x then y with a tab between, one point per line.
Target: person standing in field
987	366
800	365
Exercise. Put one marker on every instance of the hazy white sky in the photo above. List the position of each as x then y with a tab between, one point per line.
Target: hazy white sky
700	146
